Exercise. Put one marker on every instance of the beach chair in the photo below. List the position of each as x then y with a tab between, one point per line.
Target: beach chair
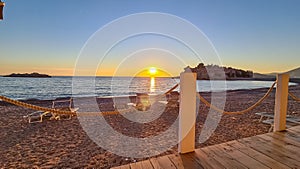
267	115
290	122
37	116
64	105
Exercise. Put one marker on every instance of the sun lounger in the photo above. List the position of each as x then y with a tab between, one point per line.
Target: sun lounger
290	120
271	122
267	115
64	105
37	116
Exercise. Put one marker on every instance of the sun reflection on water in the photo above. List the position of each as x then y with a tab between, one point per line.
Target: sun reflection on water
152	84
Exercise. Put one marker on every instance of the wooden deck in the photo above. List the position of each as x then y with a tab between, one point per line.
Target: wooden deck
271	150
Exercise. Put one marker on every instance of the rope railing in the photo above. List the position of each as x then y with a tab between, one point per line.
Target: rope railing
294	97
237	112
202	99
173	88
34	107
56	111
62	112
167	92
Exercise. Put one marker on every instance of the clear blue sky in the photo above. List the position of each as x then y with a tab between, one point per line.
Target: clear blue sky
46	36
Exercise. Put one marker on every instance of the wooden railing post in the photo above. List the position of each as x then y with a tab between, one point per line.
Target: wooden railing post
281	101
187	112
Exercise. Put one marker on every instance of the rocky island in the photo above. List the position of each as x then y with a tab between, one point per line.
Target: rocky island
32	75
215	72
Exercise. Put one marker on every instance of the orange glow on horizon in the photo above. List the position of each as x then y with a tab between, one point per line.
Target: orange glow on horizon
153	72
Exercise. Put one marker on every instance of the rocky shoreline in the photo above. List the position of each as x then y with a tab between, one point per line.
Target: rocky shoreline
64	144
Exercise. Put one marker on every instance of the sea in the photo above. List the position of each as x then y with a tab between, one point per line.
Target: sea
61	86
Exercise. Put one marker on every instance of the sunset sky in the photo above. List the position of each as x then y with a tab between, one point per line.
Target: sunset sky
47	36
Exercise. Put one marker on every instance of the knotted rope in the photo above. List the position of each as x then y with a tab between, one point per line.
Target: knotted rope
237	112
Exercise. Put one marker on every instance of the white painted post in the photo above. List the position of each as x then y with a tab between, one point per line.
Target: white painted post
281	101
187	112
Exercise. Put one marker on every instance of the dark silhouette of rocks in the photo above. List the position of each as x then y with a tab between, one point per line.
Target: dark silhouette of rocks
215	72
32	75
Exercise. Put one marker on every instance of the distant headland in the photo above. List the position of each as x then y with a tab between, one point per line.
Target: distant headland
32	75
215	72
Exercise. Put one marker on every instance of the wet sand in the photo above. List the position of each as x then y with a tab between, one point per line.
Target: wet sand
64	144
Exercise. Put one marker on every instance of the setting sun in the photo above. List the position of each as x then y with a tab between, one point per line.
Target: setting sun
152	71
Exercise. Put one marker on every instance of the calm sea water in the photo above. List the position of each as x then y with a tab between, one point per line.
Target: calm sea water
51	88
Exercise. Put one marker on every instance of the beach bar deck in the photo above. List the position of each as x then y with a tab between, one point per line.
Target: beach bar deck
271	150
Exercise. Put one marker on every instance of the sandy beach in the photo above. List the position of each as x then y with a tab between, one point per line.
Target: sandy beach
64	144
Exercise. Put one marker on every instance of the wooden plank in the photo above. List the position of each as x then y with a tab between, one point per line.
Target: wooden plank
155	163
146	164
190	161
125	167
137	165
291	135
288	150
295	129
165	163
206	161
222	157
285	138
266	160
122	167
246	160
292	149
176	160
295	132
273	151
